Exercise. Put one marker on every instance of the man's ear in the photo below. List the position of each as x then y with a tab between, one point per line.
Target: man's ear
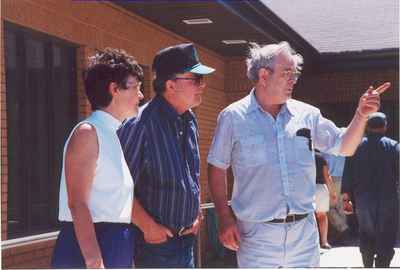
169	84
263	74
113	88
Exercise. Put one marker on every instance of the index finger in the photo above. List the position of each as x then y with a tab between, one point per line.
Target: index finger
383	87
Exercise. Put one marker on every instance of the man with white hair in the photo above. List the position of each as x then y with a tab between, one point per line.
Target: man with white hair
268	139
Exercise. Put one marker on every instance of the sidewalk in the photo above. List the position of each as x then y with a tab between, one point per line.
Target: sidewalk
349	257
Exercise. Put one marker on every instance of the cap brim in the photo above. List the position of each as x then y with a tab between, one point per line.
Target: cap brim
201	69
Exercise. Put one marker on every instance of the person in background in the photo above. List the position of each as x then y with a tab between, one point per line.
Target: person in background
268	139
162	151
96	189
325	193
336	216
371	181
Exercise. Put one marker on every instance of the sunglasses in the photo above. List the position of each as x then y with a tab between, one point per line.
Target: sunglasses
197	80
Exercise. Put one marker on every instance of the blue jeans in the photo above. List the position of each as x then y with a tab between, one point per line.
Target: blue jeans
177	252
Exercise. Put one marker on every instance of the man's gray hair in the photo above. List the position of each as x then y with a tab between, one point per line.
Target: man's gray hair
265	56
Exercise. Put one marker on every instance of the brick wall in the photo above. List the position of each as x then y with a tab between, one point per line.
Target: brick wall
92	25
337	94
28	256
330	91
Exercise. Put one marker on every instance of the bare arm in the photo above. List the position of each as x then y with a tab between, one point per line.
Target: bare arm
228	232
329	183
368	103
154	233
80	165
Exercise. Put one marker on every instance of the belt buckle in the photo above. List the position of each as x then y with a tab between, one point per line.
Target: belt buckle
292	218
180	232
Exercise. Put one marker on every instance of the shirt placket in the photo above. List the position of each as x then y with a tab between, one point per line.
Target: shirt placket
280	131
181	137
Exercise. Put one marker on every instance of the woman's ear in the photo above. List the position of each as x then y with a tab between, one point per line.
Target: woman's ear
113	88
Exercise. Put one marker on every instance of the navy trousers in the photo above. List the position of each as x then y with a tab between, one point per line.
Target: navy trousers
177	252
116	243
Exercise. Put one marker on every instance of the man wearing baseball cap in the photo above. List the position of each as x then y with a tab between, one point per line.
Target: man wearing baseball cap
162	152
371	181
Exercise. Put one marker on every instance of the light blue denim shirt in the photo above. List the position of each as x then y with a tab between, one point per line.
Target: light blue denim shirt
273	168
335	164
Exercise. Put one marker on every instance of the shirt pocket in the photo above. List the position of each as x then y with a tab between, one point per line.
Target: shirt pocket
253	151
304	156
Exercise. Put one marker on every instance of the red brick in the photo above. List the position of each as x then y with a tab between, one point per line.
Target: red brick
24	257
7	262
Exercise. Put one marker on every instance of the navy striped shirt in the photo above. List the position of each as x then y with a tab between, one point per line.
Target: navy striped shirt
162	152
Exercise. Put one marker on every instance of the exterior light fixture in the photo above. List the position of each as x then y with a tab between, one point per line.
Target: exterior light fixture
234	41
198	21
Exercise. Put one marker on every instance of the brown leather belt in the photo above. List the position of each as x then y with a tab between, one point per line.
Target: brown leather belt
289	218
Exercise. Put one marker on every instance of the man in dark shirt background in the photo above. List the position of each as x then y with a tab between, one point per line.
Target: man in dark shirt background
162	153
371	182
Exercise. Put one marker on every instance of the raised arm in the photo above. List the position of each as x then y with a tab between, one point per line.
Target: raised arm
369	103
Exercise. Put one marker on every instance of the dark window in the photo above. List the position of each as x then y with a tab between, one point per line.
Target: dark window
41	110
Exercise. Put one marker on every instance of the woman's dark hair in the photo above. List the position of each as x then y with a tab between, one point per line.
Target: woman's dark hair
105	67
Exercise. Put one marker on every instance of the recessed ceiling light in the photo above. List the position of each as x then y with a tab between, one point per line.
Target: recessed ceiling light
234	41
198	21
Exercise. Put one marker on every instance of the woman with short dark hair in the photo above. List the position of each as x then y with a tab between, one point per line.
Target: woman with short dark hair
96	189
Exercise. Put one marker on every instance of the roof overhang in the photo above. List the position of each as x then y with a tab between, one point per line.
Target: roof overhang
249	21
372	59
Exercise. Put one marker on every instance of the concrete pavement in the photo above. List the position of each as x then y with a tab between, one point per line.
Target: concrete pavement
349	257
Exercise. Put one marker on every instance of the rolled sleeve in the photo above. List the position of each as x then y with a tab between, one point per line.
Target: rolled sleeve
328	137
221	146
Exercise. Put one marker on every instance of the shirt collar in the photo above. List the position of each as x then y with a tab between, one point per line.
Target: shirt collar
109	120
170	112
288	107
253	104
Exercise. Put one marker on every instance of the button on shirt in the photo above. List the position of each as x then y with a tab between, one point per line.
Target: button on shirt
272	163
161	149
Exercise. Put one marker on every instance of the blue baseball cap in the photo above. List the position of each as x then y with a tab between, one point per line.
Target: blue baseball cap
178	59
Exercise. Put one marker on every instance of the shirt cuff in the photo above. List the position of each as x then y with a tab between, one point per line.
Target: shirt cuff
217	163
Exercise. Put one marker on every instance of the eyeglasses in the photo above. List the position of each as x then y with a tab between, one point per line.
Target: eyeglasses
134	85
198	80
289	74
